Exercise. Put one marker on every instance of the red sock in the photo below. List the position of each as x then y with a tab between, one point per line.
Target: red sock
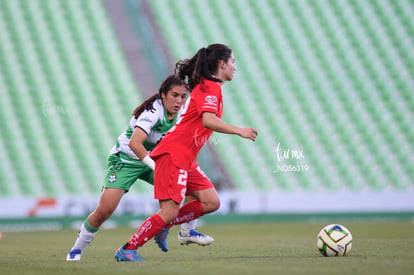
148	229
188	212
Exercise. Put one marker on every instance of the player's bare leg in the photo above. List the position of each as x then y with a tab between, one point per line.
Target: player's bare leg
108	202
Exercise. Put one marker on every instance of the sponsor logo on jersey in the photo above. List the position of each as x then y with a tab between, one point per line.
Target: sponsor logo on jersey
145	119
211	100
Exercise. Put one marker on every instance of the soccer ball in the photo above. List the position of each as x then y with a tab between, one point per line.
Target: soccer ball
334	240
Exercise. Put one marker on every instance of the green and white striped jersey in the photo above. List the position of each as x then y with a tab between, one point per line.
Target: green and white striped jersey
154	122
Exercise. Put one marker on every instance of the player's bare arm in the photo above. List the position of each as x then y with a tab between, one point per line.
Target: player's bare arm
136	143
212	122
137	146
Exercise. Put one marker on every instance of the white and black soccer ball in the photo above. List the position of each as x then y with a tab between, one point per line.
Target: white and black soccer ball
334	240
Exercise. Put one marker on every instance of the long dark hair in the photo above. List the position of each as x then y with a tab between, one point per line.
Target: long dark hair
166	85
202	65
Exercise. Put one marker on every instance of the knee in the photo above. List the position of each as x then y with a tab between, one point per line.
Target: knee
216	204
168	212
103	213
212	205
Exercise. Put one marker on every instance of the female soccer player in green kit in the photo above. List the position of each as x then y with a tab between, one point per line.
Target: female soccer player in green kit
129	160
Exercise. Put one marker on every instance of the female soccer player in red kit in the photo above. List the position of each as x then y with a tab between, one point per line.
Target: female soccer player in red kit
176	170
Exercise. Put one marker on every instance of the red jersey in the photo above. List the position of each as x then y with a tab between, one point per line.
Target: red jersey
185	139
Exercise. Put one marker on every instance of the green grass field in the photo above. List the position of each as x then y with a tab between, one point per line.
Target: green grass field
266	248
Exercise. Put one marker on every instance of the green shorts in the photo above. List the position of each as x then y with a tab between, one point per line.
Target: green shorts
123	175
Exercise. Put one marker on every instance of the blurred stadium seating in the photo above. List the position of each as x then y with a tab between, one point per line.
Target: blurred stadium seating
66	94
332	79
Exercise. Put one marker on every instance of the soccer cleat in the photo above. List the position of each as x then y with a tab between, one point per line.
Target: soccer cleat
161	239
74	255
195	237
123	255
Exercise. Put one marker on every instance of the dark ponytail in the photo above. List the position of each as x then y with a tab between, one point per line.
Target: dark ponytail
166	85
202	65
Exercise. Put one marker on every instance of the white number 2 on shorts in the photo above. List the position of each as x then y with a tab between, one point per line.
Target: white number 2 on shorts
182	177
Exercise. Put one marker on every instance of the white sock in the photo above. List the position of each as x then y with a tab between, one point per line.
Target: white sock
84	238
187	226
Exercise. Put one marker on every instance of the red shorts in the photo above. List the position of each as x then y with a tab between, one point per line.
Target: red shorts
171	182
